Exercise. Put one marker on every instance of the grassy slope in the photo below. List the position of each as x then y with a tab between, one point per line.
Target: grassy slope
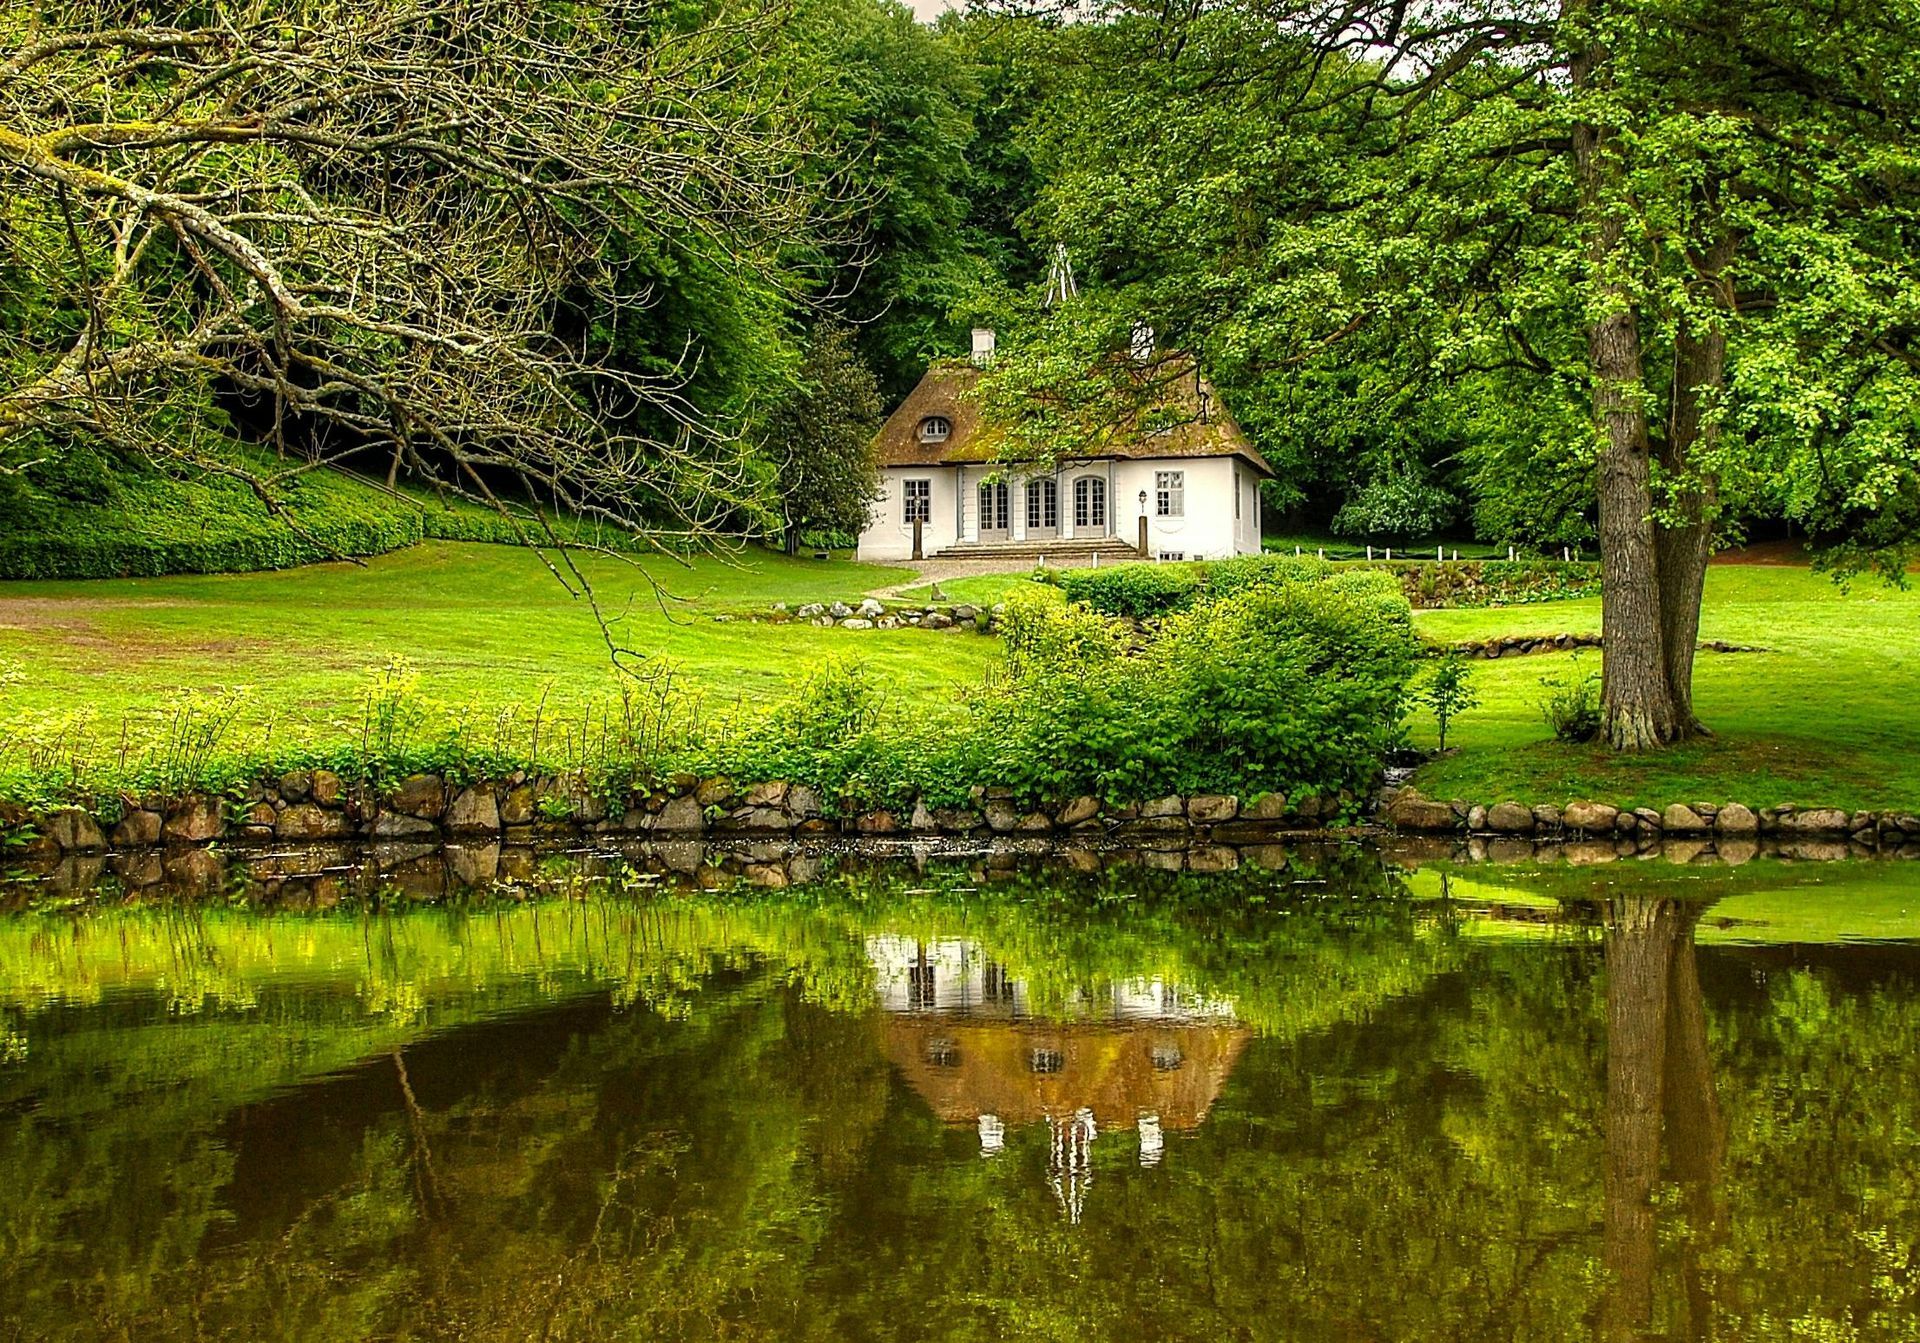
1830	716
476	620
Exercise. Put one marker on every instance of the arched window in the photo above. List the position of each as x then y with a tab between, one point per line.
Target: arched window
935	429
1043	503
1090	502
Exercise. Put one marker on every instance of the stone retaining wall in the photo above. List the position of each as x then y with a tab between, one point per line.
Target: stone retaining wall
305	806
1410	810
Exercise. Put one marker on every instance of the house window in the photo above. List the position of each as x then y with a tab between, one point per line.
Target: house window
993	506
919	500
1043	503
935	429
1170	493
1045	1061
1089	502
1171	555
1236	494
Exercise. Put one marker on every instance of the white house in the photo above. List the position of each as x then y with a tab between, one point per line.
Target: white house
1196	483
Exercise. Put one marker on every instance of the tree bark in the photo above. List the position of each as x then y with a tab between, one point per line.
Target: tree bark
1637	709
1684	542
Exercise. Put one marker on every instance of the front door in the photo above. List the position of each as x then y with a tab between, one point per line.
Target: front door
996	521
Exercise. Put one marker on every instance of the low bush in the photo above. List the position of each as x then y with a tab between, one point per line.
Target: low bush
1570	702
1296	687
1137	590
1145	590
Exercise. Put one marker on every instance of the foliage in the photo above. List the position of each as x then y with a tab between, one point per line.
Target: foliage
1144	590
91	513
1396	504
1570	702
1448	690
1294	687
1137	590
821	436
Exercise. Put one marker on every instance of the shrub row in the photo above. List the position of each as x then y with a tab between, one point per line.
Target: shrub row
106	518
1143	591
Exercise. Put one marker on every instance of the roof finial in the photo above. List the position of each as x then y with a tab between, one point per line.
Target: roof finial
1060	285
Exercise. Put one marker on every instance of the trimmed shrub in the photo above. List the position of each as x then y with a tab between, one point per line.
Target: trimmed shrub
1137	590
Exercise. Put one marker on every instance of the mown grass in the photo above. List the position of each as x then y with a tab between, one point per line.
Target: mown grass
478	622
1829	716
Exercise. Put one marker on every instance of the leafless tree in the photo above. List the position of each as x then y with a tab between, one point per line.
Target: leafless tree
385	223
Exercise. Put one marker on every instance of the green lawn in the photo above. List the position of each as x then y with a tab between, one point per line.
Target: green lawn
1830	716
477	621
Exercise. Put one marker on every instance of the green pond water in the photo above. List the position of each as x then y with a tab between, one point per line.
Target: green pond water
1322	1095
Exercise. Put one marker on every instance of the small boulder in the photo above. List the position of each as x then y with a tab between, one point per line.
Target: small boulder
1171	805
871	609
1266	807
810	611
839	610
964	613
516	808
936	621
1080	809
295	785
1035	823
1212	808
324	787
474	812
423	796
876	823
74	830
1680	819
1411	810
770	794
1002	816
683	815
714	791
194	819
304	820
137	829
1547	816
804	801
1589	818
1815	821
1649	818
856	624
1510	818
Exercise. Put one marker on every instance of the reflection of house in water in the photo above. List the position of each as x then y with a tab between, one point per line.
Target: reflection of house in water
1137	1056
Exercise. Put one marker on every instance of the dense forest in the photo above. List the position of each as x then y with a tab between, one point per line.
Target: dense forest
1633	273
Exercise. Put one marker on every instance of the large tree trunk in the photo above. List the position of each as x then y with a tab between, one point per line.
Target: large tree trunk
1636	700
1684	542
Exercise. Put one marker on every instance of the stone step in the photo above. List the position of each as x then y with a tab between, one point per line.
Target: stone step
1071	548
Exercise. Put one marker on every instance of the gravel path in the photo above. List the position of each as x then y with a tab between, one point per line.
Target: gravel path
939	571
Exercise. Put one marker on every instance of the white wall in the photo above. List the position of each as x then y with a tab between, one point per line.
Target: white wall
1208	529
888	536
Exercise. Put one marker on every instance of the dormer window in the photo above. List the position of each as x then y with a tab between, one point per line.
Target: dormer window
935	429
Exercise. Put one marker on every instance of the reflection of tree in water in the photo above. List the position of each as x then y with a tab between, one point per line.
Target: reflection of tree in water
1660	1092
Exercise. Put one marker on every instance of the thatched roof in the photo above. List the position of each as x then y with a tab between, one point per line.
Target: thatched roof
946	390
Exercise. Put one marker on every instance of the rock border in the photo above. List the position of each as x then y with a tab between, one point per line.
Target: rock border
318	806
1410	810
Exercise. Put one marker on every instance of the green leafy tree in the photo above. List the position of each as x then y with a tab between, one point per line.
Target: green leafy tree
1448	690
821	436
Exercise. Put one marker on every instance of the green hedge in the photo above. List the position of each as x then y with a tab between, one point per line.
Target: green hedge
1143	590
91	515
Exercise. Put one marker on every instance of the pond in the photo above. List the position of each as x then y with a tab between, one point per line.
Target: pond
1335	1094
